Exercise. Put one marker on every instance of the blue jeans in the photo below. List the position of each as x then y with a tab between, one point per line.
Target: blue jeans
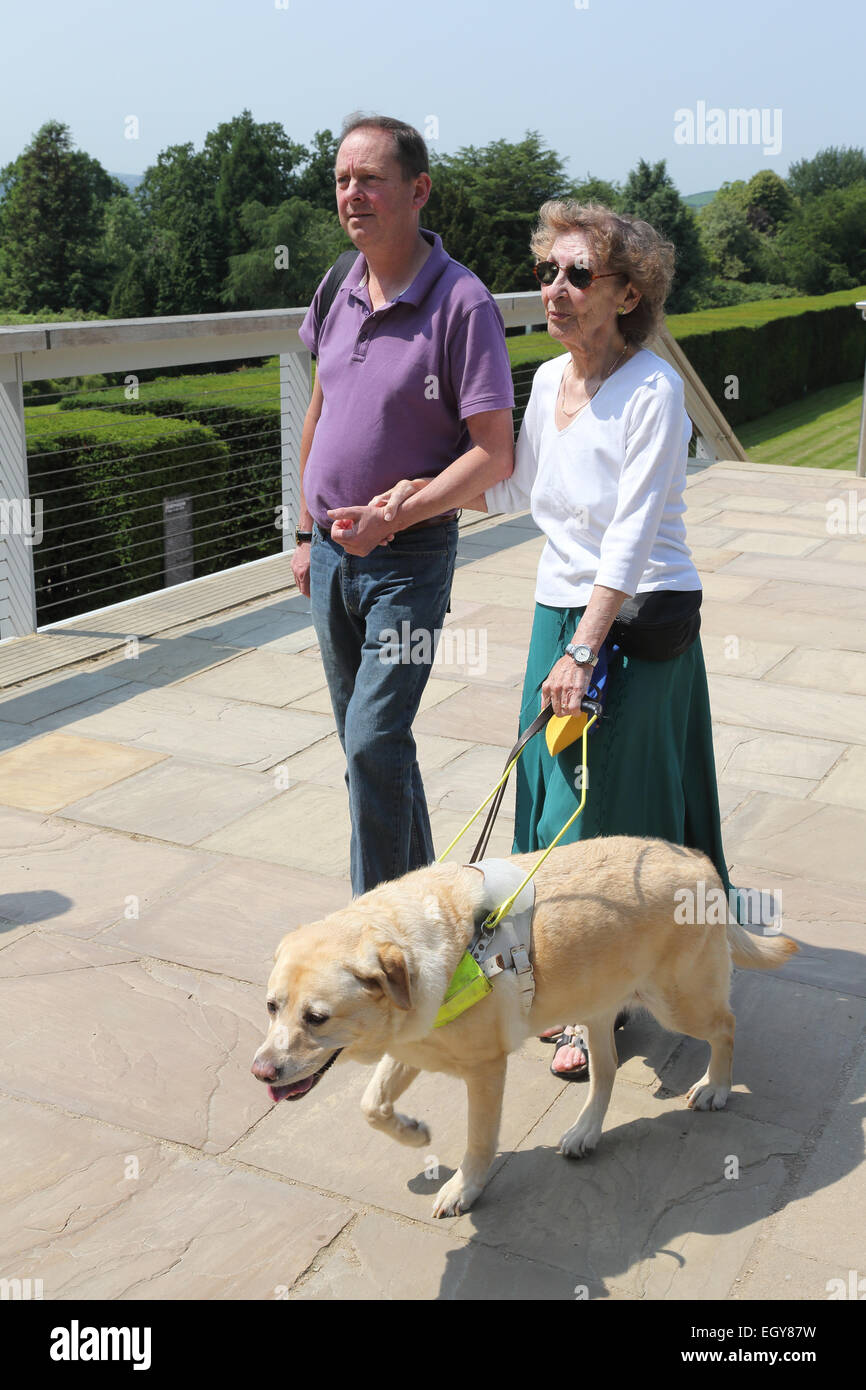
364	610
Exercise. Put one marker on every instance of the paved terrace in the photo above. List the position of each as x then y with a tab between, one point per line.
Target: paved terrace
167	817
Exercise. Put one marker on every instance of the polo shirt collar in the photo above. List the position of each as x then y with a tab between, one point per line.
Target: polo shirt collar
426	277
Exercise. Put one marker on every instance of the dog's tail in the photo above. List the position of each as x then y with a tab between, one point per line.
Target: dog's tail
757	952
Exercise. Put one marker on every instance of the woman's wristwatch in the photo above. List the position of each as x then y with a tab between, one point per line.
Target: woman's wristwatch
583	655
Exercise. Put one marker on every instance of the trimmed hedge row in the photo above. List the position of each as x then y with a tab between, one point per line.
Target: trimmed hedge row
750	371
777	352
253	484
102	477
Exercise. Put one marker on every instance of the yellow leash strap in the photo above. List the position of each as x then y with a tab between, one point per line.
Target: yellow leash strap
502	911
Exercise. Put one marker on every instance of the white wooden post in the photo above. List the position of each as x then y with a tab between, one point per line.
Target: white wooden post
17	535
861	450
295	393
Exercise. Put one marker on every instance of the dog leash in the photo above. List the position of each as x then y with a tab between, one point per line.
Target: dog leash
593	709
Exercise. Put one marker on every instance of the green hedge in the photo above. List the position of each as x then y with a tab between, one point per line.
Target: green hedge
102	477
248	425
779	350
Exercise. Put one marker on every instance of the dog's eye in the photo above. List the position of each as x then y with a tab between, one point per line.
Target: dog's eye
314	1019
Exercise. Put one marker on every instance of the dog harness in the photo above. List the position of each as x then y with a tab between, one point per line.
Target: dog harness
507	947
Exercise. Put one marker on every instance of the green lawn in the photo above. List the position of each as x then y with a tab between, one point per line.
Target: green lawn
820	431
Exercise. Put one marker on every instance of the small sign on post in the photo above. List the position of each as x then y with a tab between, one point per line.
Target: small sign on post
177	530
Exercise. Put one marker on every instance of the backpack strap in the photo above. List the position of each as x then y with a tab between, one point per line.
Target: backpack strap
337	274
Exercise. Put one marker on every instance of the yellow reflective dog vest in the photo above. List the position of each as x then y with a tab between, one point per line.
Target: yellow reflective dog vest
508	947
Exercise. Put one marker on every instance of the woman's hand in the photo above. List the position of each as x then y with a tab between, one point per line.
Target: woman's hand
392	500
566	686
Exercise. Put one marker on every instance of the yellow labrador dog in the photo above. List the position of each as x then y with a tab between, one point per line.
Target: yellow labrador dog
367	983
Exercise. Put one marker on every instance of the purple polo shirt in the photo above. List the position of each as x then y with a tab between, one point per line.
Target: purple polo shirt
400	382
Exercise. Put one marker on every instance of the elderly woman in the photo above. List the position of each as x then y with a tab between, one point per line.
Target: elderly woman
601	463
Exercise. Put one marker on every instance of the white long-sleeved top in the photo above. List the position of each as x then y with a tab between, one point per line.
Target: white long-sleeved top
607	491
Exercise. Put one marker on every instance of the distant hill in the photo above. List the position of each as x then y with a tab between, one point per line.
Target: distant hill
133	180
694	200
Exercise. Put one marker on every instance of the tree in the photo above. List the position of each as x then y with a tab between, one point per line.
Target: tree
769	202
485	202
316	183
732	247
833	167
650	193
592	190
51	225
822	245
249	162
185	257
291	247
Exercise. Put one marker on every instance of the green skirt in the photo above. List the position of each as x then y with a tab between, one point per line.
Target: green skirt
650	763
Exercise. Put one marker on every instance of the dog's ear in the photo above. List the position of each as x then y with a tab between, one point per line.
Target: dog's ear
387	973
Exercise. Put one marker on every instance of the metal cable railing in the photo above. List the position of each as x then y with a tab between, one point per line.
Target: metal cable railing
159	499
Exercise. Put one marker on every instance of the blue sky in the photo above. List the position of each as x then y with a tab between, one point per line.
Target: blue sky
601	80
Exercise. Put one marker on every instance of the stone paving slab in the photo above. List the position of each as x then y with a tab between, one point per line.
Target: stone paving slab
482	715
778	1019
156	1049
78	879
231	918
163	660
46	694
722	616
196	725
306	827
785	709
821	841
846	784
650	1212
49	772
844	671
823	1218
176	801
378	1258
99	1213
263	677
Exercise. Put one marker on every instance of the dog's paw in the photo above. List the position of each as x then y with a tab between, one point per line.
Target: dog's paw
412	1132
456	1196
703	1096
579	1141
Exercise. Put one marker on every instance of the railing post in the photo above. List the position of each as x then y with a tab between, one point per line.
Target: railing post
17	533
295	392
861	450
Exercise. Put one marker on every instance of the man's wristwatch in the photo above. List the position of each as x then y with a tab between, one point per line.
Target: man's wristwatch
303	537
583	655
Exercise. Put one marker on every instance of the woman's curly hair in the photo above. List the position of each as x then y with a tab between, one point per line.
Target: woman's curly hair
623	244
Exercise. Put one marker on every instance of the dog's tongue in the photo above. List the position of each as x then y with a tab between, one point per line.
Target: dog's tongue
297	1088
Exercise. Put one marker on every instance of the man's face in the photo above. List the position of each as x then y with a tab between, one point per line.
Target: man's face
375	204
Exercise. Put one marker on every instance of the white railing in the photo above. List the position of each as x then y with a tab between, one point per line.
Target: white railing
61	350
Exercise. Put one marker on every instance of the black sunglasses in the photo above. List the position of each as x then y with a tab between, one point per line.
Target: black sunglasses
578	275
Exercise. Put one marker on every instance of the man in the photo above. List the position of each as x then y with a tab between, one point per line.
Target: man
412	380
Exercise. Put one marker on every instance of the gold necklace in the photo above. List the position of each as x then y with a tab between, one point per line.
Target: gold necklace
570	414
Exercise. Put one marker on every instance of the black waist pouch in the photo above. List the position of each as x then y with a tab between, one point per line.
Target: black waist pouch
658	625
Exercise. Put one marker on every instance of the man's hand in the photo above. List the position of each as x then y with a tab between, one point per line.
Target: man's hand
360	529
301	568
566	686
